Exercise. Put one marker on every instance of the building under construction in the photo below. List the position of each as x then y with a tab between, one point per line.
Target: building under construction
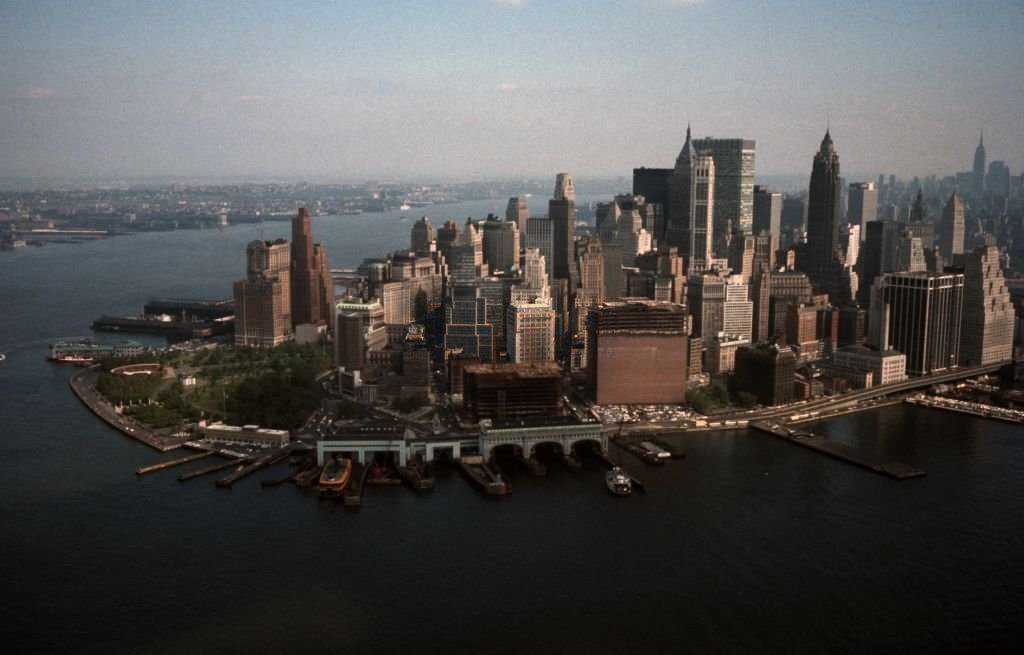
511	391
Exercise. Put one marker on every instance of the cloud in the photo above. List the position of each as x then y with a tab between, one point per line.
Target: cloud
507	87
686	3
509	3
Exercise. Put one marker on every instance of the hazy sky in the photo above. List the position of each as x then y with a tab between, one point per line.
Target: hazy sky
483	88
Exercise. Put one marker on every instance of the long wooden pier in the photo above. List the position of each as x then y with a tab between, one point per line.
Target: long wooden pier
220	466
263	461
160	466
821	444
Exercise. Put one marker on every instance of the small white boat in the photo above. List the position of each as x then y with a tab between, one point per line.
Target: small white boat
618	482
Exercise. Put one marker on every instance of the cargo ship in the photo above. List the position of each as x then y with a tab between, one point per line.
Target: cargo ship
84	352
334	477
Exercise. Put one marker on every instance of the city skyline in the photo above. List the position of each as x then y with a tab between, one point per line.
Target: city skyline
489	89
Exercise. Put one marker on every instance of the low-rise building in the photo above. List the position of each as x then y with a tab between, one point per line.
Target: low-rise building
885	366
246	435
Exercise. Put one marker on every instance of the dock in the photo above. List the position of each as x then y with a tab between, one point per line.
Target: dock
820	443
220	466
261	462
160	466
965	407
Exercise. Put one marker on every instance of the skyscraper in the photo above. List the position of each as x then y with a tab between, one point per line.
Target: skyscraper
863	206
705	300
738	309
447	234
767	212
591	291
305	277
500	244
692	202
518	212
979	167
262	299
919	315
821	259
998	181
562	214
734	188
951	229
530	332
988	314
422	234
539	235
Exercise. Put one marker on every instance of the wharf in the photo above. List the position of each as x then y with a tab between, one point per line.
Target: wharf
263	461
972	408
83	385
160	466
220	466
821	444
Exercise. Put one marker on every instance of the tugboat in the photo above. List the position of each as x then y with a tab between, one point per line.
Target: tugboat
334	477
618	482
3	357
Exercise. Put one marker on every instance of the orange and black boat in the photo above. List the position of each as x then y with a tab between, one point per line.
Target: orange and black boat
334	477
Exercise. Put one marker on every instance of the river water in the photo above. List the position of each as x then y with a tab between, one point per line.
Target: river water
749	544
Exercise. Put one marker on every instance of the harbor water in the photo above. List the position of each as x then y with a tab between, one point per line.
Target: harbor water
748	544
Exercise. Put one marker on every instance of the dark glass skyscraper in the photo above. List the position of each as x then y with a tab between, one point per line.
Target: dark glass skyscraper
734	188
562	214
820	259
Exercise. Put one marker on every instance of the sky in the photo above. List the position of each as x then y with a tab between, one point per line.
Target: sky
472	89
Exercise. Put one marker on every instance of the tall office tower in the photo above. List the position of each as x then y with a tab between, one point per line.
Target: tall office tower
500	244
998	181
878	257
917	208
979	167
466	263
422	234
654	185
305	278
637	353
562	214
850	244
447	234
919	315
497	291
530	332
620	225
988	314
539	236
262	299
738	309
772	295
741	255
518	212
705	300
909	254
591	266
325	286
734	188
794	213
951	229
802	330
863	205
767	371
764	253
692	202
359	329
767	212
535	276
466	328
821	260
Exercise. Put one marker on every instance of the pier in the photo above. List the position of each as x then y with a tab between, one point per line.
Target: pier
821	444
235	461
261	462
160	466
965	407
